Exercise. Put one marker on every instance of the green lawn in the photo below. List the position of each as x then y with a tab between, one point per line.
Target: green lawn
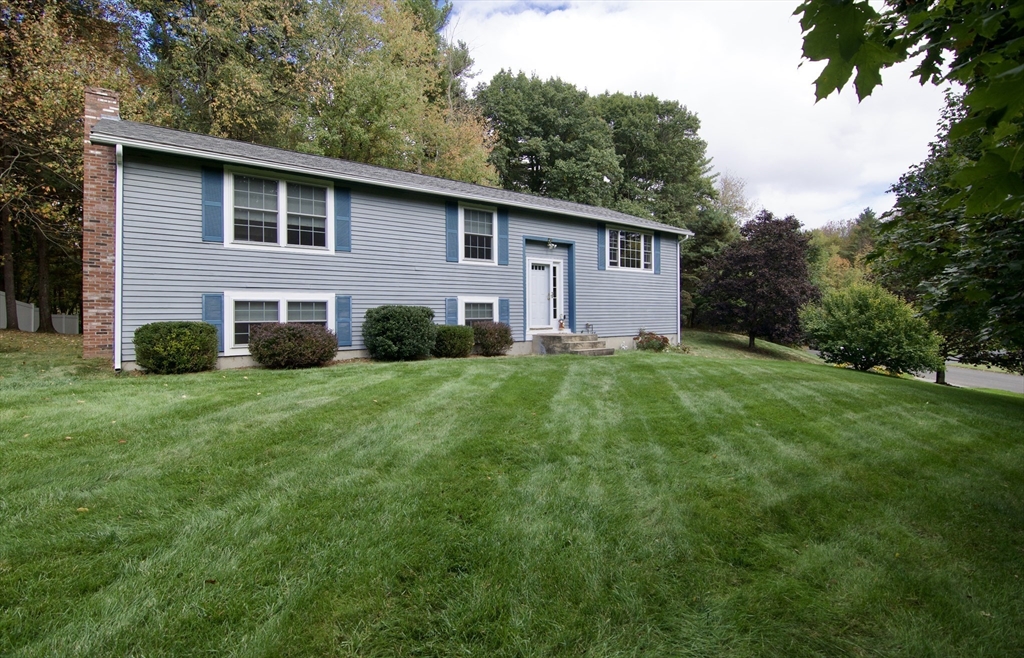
637	505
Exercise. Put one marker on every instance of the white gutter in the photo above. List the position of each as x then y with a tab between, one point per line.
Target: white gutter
99	138
118	250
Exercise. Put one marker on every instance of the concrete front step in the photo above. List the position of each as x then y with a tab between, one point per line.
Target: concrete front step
583	344
599	351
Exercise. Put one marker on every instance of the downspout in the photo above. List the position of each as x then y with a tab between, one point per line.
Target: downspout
118	249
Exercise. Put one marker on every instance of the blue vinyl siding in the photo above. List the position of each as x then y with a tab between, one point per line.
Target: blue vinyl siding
401	242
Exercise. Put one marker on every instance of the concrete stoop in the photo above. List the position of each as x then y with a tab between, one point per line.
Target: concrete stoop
581	344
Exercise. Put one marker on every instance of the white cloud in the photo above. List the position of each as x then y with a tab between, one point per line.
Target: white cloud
736	65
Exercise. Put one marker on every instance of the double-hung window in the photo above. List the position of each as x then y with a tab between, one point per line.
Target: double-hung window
478	234
247	309
286	213
308	312
630	250
478	312
248	314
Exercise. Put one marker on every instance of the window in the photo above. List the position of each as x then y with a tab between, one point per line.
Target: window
307	215
308	312
477	227
477	309
249	313
630	250
255	209
478	312
244	309
279	212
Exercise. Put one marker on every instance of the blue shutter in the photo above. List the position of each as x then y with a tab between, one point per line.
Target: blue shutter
657	253
504	315
342	219
451	225
343	320
602	248
213	313
451	310
502	236
213	204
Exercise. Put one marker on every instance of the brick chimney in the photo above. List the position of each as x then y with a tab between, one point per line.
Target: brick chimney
98	229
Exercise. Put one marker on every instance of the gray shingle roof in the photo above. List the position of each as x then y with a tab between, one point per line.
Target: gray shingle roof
154	138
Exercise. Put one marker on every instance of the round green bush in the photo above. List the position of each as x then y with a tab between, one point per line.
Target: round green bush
292	345
173	348
453	342
398	333
493	338
865	326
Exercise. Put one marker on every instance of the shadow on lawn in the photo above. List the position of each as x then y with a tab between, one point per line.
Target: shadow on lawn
734	346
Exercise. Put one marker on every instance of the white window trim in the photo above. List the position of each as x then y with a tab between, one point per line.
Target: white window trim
282	211
477	300
619	268
551	263
462	234
282	298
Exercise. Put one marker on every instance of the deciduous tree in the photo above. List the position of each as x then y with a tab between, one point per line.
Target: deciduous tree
976	43
963	269
758	283
865	326
49	51
549	139
663	161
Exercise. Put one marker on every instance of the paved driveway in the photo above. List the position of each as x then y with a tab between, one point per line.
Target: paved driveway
971	378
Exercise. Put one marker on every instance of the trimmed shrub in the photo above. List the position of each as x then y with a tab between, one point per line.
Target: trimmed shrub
292	345
866	326
493	338
174	348
453	342
398	333
648	340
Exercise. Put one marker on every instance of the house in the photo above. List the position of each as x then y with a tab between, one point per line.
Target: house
182	226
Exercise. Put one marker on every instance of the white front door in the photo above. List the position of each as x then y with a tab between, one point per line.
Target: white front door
539	306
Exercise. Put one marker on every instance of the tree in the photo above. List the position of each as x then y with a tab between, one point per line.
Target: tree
713	230
758	284
964	270
49	52
866	326
549	139
732	198
975	43
364	80
663	161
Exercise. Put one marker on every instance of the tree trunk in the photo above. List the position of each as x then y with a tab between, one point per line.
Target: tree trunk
7	232
940	376
43	277
750	345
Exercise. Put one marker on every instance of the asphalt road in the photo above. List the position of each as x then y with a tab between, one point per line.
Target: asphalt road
971	378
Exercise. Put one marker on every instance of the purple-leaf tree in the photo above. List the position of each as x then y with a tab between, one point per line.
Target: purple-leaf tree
758	283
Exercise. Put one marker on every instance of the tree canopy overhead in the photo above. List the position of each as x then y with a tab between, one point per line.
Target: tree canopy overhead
978	44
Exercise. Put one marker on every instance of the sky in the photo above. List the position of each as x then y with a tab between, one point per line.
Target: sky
736	64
